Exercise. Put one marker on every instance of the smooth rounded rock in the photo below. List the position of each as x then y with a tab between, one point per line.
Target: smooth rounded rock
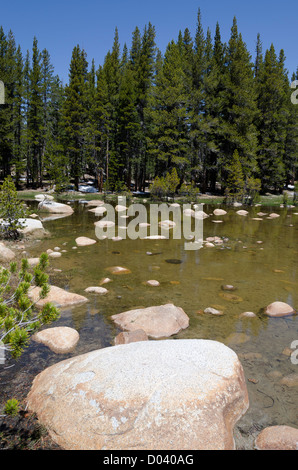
55	207
153	283
158	322
277	438
242	212
96	290
85	241
61	340
279	309
6	254
148	395
59	297
219	212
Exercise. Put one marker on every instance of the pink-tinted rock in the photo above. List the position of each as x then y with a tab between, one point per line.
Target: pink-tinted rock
277	438
157	322
127	337
279	309
60	340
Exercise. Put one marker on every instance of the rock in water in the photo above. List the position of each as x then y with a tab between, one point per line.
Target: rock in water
158	322
127	337
54	207
59	297
279	309
219	212
60	340
277	438
85	241
151	395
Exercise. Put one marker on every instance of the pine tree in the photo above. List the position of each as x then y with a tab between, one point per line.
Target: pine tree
272	121
169	141
235	178
74	114
240	107
35	118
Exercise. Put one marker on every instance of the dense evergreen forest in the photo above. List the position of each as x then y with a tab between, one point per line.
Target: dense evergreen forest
201	108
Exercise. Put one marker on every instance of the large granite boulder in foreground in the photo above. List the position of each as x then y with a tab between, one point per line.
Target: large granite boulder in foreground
157	322
152	395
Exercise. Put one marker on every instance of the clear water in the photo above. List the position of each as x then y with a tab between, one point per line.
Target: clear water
261	272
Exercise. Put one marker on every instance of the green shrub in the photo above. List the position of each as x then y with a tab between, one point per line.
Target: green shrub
11	211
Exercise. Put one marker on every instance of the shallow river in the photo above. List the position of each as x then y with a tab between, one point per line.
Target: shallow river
261	273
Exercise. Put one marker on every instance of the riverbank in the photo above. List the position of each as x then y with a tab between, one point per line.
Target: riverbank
265	200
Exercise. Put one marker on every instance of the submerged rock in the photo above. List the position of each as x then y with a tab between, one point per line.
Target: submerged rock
148	395
158	322
230	297
118	270
174	261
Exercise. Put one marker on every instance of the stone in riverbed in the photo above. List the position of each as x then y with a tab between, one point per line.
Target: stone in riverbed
242	212
96	290
219	212
158	322
55	207
59	297
85	241
153	283
127	337
213	311
61	340
148	395
277	438
118	270
290	380
230	297
95	203
279	309
247	315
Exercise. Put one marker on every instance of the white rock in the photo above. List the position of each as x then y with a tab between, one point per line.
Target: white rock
242	212
96	290
85	241
120	208
54	207
153	283
157	395
219	212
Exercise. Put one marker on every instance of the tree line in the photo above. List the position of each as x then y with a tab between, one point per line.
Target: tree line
205	108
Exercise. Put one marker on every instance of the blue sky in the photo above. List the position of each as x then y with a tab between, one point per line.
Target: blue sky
60	25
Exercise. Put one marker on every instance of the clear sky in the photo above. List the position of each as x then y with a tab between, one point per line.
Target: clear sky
60	25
